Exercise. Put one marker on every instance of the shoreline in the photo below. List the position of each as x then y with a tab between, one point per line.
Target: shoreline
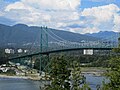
14	77
20	77
94	73
36	79
92	70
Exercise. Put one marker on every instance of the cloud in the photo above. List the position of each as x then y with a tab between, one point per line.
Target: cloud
76	26
1	13
90	30
102	16
43	12
116	23
84	30
59	5
53	4
63	14
3	21
101	13
102	0
18	6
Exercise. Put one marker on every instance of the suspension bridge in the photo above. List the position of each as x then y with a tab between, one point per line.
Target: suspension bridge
61	45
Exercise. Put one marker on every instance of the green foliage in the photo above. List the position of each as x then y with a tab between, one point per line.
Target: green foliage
66	76
37	64
117	50
114	73
2	52
78	80
60	74
89	61
11	72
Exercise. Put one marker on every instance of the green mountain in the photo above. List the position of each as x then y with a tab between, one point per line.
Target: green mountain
21	34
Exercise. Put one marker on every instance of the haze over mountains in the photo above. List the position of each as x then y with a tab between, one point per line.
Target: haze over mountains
21	34
107	35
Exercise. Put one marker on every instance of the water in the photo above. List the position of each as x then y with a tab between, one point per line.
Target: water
18	84
94	81
22	84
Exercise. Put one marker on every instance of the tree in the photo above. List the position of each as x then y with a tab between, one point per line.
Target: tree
59	74
114	73
78	80
66	76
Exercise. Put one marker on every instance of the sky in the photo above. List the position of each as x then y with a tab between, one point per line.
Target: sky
79	16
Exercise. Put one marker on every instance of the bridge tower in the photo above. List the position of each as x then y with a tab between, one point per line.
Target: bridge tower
43	47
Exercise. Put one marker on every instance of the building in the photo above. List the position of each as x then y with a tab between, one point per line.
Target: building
7	50
88	52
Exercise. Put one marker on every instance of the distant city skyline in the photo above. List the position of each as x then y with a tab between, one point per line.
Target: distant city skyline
79	16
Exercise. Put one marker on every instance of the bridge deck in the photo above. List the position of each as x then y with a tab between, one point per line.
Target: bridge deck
56	51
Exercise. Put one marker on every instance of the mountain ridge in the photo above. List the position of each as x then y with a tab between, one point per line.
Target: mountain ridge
22	34
105	35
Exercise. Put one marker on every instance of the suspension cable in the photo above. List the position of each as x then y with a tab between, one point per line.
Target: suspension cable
58	36
52	37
